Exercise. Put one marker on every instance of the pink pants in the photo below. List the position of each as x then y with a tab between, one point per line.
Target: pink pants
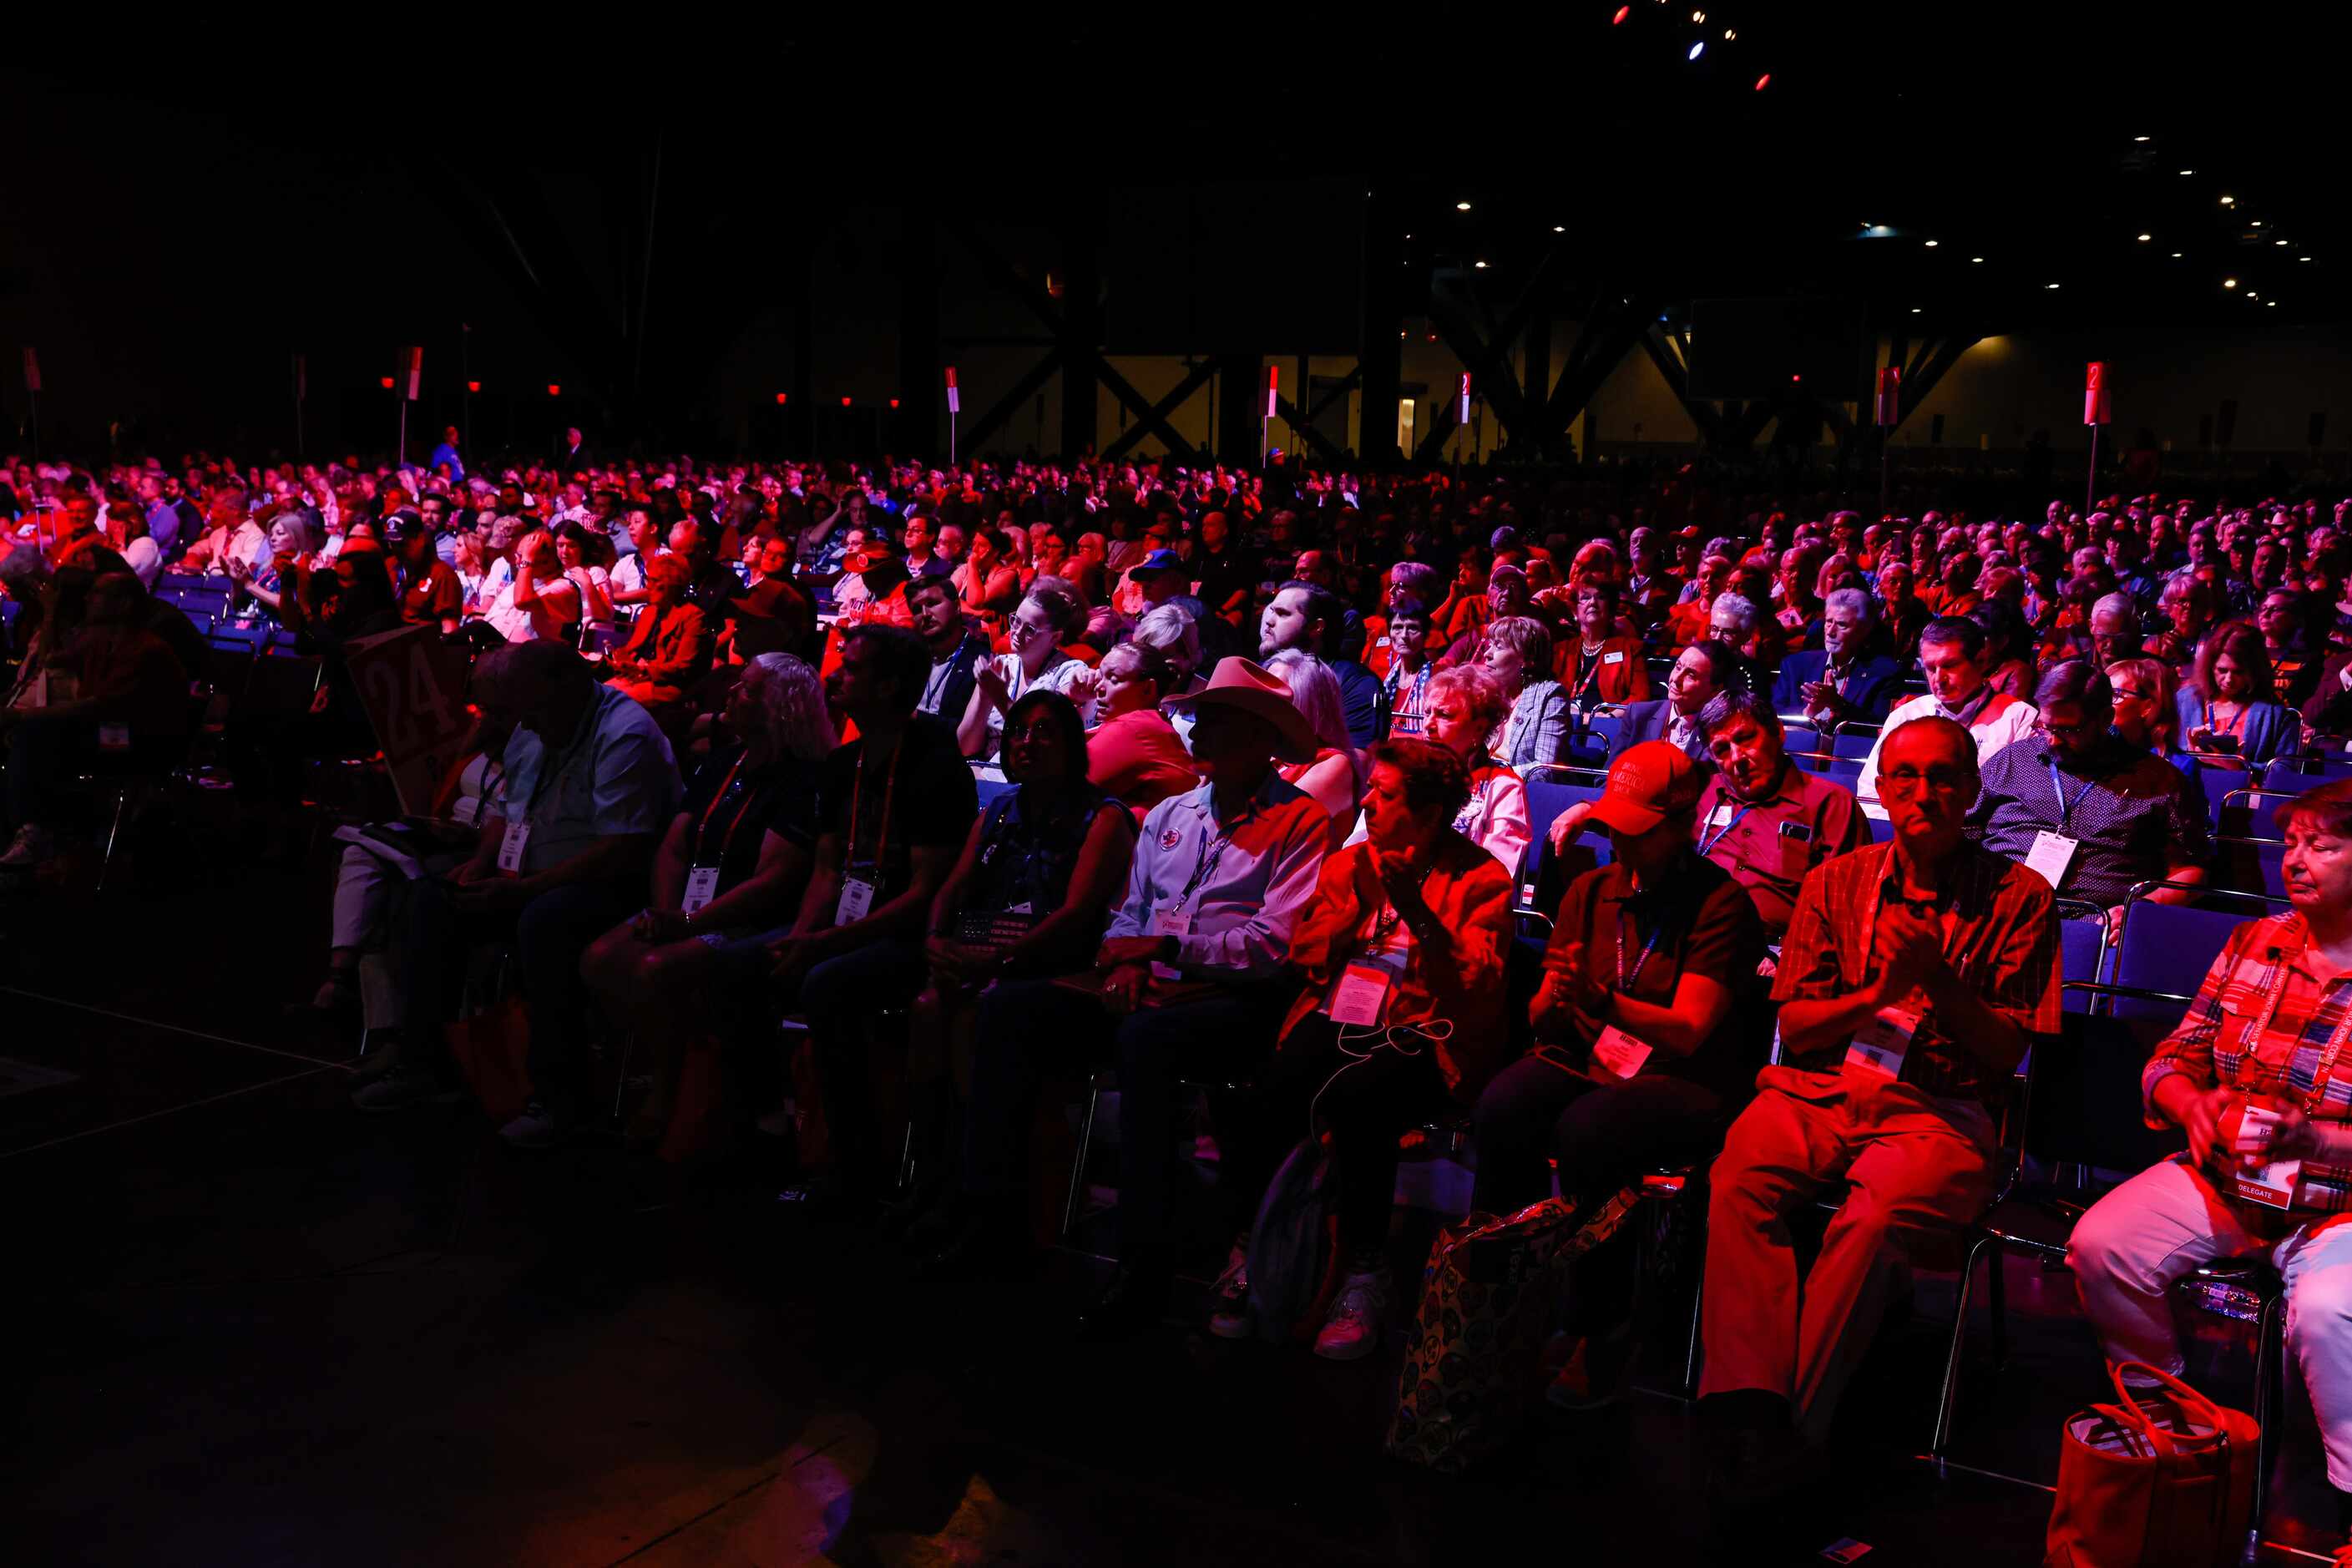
2156	1230
1902	1165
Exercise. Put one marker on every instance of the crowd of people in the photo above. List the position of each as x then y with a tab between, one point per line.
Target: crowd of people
991	778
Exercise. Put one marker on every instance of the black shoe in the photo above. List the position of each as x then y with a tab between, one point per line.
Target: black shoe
1135	1299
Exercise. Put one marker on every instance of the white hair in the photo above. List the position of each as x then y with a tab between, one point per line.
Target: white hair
1168	629
1740	612
1316	692
1854	602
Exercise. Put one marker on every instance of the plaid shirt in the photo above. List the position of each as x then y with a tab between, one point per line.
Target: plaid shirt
1997	935
2226	1038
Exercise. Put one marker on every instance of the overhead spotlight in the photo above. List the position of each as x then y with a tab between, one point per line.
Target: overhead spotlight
2278	242
2143	238
2229	283
2176	256
2251	295
2302	258
1931	244
1559	228
1763	81
1480	265
1458	206
1622	12
1698	16
1978	260
2256	223
1914	309
2185	173
1729	34
2228	201
1698	50
2139	138
2050	285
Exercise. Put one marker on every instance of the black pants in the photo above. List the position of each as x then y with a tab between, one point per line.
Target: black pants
1025	1028
1604	1136
548	934
1367	1096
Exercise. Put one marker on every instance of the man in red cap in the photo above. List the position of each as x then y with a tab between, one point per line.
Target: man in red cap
1914	975
1643	1052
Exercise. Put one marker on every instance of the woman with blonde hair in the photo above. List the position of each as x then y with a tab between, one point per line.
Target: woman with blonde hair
730	867
1335	778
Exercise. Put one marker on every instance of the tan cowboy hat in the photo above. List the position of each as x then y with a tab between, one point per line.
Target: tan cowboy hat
1254	690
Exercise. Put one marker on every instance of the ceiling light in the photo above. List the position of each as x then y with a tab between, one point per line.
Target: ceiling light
1622	11
2257	223
1977	259
2176	256
1479	264
1914	309
2278	242
2251	295
1698	50
2050	285
2144	240
1729	34
2269	304
2228	201
1698	16
1458	206
1931	245
1559	228
2229	283
2302	258
1763	81
2139	138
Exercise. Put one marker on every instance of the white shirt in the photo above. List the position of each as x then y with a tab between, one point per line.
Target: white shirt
1056	676
2001	720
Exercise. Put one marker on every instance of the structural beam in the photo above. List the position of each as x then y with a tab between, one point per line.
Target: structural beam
974	437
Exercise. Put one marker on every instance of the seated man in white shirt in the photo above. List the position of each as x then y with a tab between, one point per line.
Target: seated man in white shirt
562	858
1189	979
1952	655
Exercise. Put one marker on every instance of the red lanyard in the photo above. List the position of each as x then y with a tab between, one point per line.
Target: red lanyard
702	828
857	790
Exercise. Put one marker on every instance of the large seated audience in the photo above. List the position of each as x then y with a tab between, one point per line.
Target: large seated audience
1619	827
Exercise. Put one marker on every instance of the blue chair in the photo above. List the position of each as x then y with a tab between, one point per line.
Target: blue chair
1881	830
2246	812
2167	948
1854	740
245	638
1546	801
2082	950
988	790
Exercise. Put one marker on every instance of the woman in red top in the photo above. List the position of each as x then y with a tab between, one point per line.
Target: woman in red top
1598	667
1135	756
1401	1018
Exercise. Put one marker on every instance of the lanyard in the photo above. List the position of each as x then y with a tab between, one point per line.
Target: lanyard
2237	726
1205	867
857	791
1706	845
2324	1072
1590	671
702	828
1624	980
2066	808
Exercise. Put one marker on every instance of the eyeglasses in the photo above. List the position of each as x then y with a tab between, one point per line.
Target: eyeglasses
1909	781
2133	693
2065	731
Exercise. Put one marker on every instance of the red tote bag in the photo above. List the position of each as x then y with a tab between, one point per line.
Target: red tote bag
2136	1491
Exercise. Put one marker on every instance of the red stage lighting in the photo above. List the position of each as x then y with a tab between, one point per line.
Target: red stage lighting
553	390
894	403
1622	12
782	398
386	383
473	386
1763	81
845	403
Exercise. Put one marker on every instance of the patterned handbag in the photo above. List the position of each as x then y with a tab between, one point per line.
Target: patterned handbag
1476	1370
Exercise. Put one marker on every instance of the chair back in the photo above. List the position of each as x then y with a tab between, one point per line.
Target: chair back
2082	946
2167	948
2086	1106
1854	740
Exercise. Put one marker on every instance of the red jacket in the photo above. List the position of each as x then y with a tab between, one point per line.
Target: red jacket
1454	969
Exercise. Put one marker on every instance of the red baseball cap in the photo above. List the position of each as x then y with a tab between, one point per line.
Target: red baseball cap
1648	783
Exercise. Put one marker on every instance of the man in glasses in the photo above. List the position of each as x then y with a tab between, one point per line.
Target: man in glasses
2091	813
1914	975
1953	657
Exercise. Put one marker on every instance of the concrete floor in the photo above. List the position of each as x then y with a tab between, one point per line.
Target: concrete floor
252	1327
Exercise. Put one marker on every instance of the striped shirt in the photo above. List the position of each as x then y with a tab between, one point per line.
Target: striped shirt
1999	936
2232	1036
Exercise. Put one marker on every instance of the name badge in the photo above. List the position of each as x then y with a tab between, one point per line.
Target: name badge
114	737
1358	995
1880	1044
465	810
2051	855
1616	658
1171	922
2271	1185
1619	1052
701	887
1720	818
511	847
856	898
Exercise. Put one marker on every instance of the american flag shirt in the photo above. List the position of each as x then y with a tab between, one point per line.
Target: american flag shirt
2236	1035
